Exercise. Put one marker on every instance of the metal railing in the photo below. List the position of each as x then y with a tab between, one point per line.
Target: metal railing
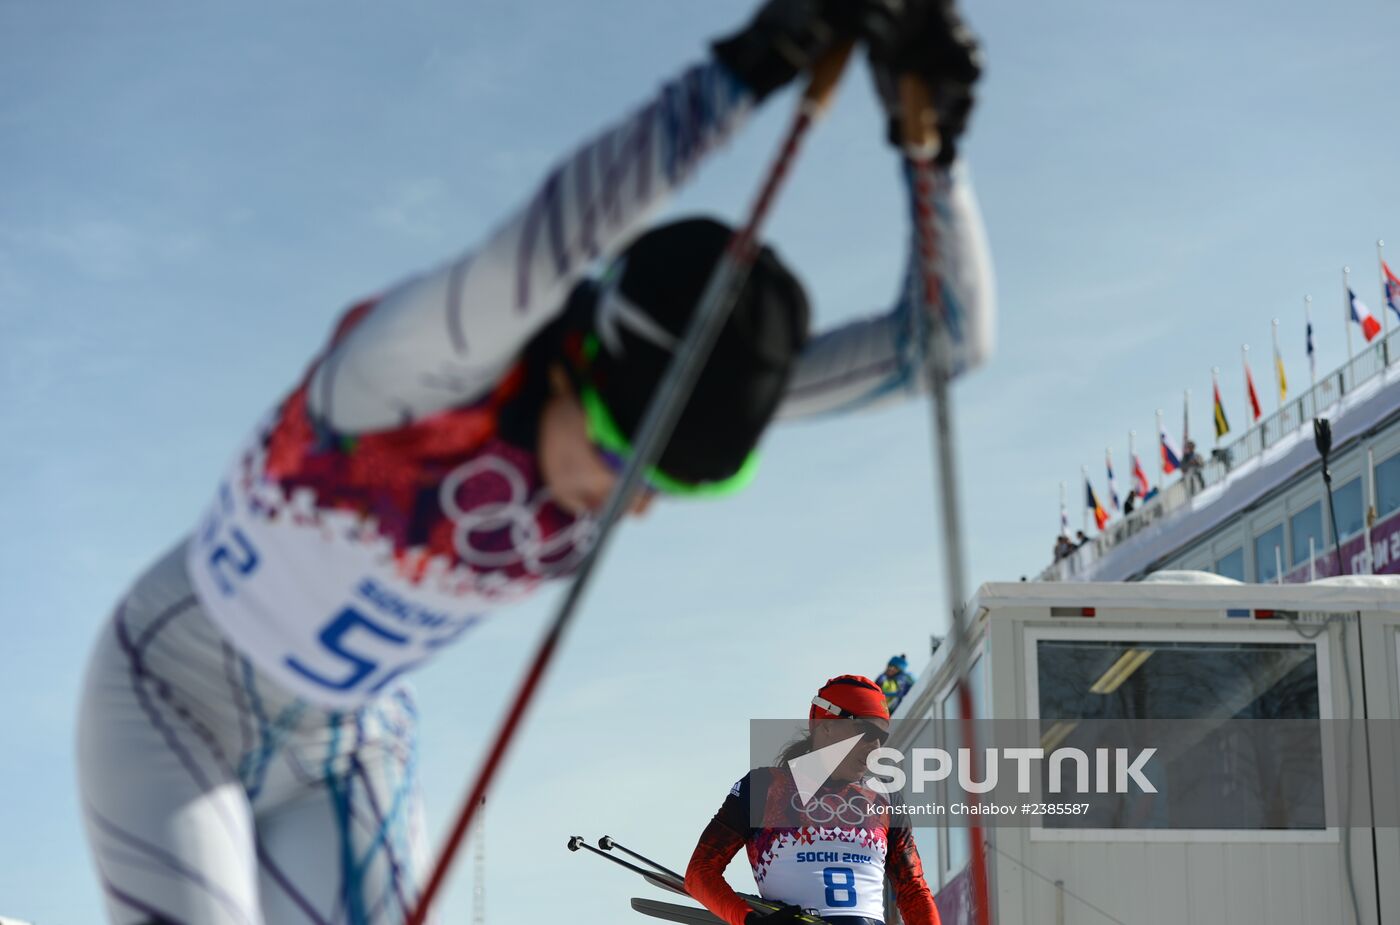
1293	416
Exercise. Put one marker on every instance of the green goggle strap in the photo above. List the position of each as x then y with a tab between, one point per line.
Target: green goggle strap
603	430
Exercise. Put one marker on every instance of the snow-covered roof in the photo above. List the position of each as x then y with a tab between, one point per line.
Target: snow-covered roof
1186	592
1360	410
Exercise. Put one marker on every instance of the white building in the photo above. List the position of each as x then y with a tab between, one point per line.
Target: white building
1058	654
1092	638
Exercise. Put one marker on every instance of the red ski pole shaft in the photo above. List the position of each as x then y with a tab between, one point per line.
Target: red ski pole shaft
655	429
921	143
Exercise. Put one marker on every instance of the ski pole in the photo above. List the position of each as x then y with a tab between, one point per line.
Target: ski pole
921	143
757	904
576	842
662	413
607	844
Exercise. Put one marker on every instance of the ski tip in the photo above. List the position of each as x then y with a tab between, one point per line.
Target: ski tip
575	841
606	843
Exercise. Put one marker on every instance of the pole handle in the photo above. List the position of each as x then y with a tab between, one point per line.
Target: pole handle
826	74
917	125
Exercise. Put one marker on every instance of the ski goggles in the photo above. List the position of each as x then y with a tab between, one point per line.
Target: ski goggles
615	449
870	728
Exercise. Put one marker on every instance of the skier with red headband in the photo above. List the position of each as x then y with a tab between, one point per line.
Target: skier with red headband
825	853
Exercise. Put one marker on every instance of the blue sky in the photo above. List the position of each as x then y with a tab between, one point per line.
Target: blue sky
193	192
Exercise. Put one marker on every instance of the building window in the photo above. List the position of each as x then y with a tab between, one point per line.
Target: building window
1351	516
958	855
1231	565
1268	550
1388	486
928	839
1211	769
1304	526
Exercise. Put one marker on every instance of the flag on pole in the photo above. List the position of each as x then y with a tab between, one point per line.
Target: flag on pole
1252	394
1064	514
1392	288
1282	376
1112	484
1362	316
1222	423
1140	477
1091	501
1312	352
1171	456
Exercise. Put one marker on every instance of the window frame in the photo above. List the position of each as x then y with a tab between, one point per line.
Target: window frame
1277	518
1131	634
1290	565
1360	479
1365	501
1215	564
943	693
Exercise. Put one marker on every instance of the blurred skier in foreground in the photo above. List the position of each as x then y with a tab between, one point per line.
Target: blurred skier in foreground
246	741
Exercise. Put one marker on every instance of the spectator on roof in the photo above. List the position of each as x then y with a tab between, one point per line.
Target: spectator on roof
896	681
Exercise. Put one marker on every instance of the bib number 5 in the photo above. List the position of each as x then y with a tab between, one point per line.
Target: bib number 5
350	638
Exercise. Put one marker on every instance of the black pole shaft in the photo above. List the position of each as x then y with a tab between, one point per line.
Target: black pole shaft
640	857
655	879
575	843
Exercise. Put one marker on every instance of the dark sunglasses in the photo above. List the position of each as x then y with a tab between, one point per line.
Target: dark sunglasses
873	732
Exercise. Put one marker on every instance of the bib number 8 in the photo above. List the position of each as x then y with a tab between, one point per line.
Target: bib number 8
840	887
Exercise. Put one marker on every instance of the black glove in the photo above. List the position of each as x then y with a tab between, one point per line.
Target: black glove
783	915
930	41
786	37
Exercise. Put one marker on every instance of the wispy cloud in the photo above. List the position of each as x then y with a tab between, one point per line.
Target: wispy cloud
415	209
105	248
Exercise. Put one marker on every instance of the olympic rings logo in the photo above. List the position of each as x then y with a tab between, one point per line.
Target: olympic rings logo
518	516
831	807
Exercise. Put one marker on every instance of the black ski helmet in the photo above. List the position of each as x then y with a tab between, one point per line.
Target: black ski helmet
644	303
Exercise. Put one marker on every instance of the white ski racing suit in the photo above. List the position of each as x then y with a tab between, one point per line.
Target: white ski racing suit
246	741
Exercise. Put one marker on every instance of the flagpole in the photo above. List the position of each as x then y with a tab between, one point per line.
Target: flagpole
1312	348
1385	304
1185	419
1214	412
1248	405
1112	486
1346	313
1161	463
1064	514
1278	365
1084	471
1132	465
1380	269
